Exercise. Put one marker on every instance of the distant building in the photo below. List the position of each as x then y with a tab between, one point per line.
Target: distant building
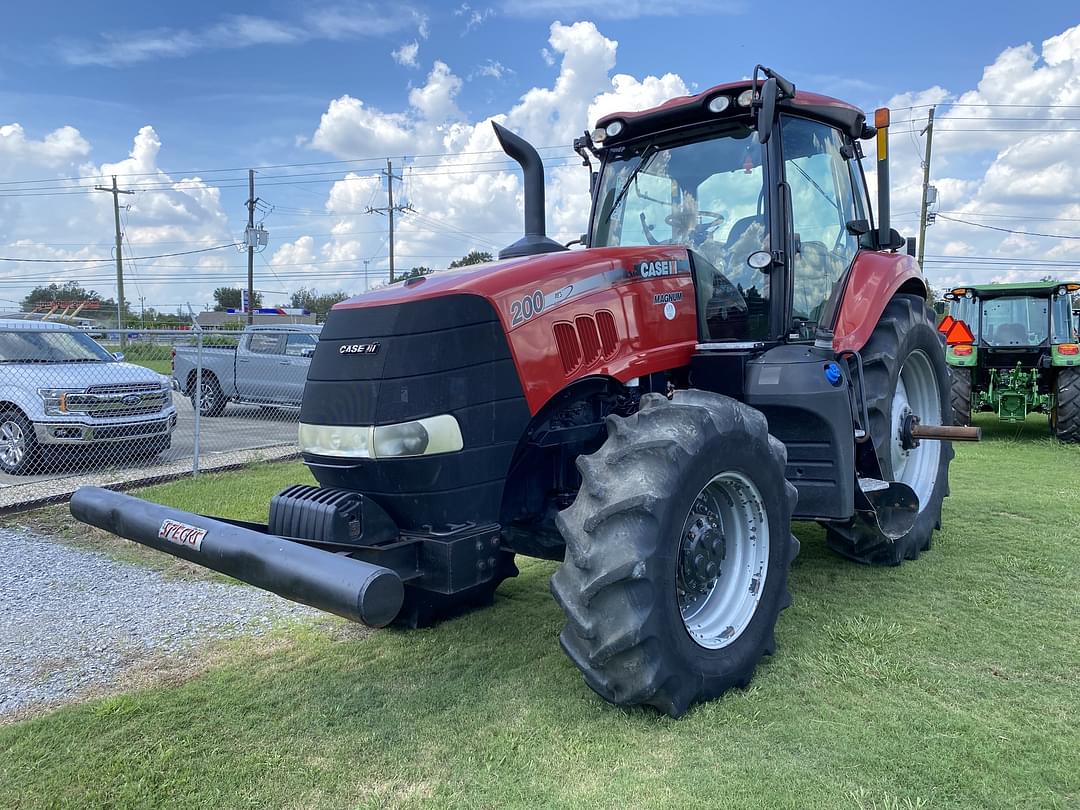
266	316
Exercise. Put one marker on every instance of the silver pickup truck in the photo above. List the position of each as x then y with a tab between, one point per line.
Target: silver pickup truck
59	390
268	367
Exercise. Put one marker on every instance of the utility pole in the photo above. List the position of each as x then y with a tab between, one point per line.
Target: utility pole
116	192
926	185
366	263
389	210
251	247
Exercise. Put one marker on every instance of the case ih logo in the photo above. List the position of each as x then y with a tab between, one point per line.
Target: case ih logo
358	348
664	267
182	534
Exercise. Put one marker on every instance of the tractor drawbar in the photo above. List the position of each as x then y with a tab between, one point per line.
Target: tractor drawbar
951	433
332	582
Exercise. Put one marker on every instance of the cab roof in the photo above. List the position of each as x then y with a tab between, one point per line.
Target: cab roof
1021	287
688	110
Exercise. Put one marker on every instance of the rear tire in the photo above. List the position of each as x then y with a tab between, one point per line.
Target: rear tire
1065	420
677	487
961	396
213	398
905	340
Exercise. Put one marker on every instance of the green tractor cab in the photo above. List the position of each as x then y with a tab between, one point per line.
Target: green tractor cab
1013	349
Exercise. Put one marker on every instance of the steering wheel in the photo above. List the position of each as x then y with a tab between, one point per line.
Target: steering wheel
703	230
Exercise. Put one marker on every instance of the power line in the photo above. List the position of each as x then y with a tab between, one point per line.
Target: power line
110	259
1007	230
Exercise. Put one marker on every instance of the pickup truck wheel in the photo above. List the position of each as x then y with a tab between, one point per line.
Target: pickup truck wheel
18	447
213	398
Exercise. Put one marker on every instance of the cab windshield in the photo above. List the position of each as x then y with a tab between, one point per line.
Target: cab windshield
706	195
1020	320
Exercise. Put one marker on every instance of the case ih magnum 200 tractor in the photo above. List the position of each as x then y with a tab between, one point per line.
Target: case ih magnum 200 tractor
737	346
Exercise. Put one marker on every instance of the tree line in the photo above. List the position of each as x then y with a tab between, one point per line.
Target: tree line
96	306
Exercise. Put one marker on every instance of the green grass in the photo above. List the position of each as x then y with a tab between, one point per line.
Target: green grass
953	681
160	366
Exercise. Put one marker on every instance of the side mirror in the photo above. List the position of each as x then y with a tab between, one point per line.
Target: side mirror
119	356
766	111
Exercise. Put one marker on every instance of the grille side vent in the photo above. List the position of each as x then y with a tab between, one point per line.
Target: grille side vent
589	337
566	340
609	335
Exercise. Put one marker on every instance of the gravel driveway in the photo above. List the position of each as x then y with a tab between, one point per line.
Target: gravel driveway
74	622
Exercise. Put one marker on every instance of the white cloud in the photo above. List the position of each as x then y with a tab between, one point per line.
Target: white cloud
124	48
59	147
492	69
474	17
406	54
435	100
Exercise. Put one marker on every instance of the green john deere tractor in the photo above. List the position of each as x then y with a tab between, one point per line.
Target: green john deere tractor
1013	349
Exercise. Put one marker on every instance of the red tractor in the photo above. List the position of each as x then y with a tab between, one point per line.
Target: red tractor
737	345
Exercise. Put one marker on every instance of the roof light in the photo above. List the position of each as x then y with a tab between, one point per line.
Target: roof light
1069	349
881	117
962	350
959	291
598	135
614	128
717	104
745	97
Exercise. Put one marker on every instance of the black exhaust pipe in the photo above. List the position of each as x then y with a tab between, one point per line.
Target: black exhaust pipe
535	239
351	588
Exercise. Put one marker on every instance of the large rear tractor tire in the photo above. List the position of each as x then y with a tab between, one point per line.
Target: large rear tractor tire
905	373
961	396
1066	415
678	547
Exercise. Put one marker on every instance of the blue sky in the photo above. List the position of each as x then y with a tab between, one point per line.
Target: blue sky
223	85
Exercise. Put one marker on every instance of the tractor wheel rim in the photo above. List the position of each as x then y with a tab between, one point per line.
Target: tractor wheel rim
723	560
12	443
916	394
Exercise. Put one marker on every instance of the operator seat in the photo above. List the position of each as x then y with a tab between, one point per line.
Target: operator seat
1010	334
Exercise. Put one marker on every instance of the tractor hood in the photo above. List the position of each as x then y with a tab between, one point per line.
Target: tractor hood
523	287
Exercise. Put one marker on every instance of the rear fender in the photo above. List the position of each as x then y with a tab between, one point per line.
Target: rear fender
874	279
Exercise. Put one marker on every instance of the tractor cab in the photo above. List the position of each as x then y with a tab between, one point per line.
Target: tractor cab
771	211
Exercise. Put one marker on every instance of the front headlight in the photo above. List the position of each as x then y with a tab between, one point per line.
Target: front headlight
55	400
422	437
336	440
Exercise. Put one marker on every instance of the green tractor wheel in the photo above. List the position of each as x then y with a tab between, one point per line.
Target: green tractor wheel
1065	418
961	396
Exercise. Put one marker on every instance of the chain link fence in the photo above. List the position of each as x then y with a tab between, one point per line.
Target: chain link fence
86	406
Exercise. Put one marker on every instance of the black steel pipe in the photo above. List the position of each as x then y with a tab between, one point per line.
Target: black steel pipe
351	588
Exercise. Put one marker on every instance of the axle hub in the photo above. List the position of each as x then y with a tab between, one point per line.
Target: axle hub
702	552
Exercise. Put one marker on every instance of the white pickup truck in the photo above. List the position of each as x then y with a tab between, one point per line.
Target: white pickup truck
59	390
268	367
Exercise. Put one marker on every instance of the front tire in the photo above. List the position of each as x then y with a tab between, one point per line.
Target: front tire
18	445
678	548
1066	416
904	372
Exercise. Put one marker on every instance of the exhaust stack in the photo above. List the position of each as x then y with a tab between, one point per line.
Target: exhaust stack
535	239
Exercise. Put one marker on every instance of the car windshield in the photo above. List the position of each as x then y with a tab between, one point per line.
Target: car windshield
34	346
1020	320
706	195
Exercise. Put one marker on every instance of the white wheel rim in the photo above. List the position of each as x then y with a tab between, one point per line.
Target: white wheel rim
12	443
728	527
916	394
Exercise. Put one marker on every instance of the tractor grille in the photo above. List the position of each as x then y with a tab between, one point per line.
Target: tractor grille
585	341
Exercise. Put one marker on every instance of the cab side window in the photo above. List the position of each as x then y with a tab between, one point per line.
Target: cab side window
822	203
299	346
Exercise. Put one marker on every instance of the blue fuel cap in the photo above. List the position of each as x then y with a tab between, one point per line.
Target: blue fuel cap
833	374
